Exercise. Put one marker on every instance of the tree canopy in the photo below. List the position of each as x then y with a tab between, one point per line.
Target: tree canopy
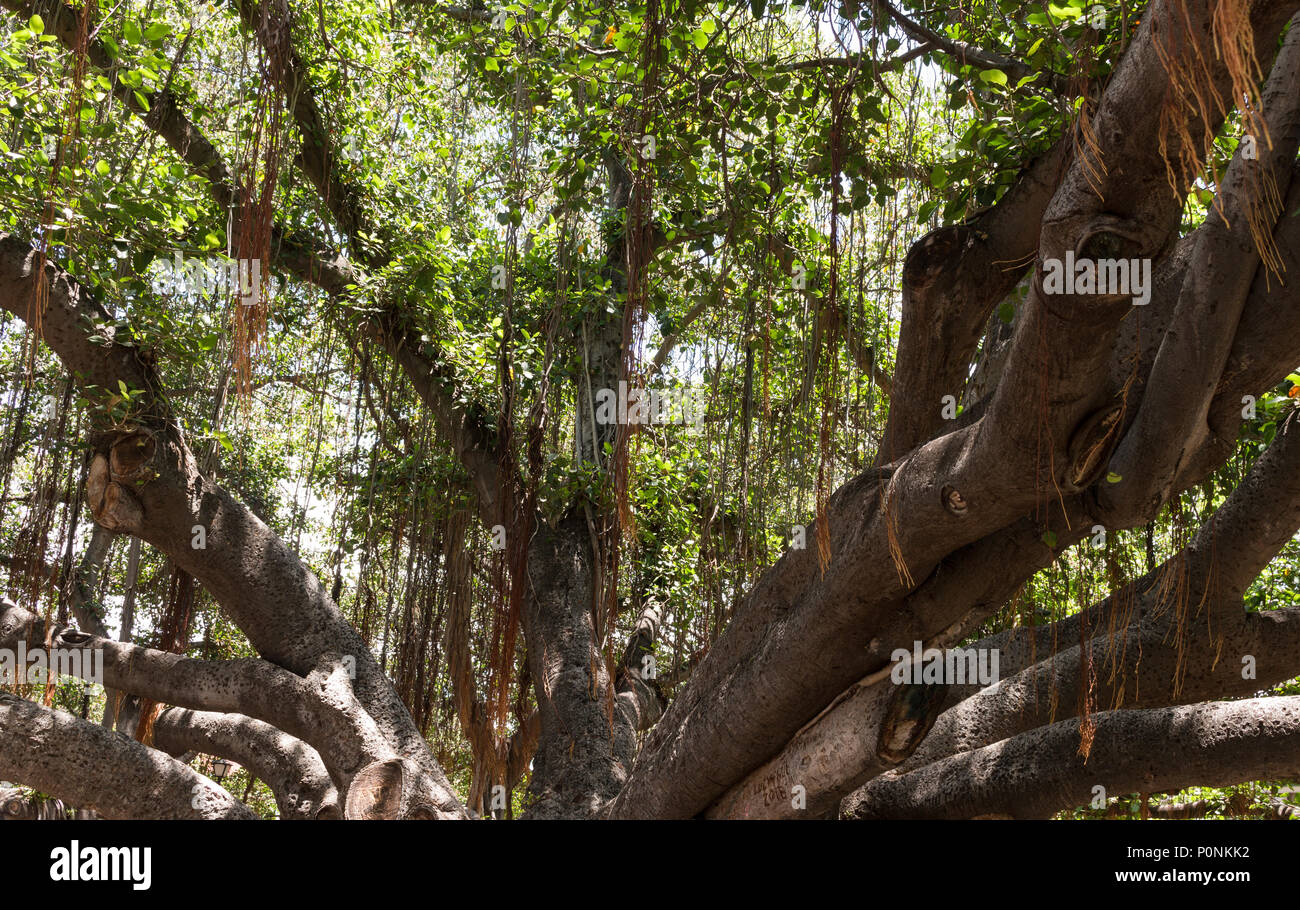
447	410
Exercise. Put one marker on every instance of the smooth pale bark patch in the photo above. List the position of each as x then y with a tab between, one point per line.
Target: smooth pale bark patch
912	712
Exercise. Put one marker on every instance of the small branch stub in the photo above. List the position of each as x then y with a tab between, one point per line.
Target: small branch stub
953	501
1091	446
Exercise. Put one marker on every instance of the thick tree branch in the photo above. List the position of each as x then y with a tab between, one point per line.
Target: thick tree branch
1245	534
1171	420
1179	635
49	750
1215	568
1266	348
291	768
319	708
640	698
952	279
1040	773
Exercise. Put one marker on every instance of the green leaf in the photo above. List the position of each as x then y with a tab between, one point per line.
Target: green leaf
491	65
157	31
1049	538
101	168
1112	477
37	25
995	77
131	32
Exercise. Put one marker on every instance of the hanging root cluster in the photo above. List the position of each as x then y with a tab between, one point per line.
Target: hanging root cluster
67	140
178	615
1191	89
619	526
253	218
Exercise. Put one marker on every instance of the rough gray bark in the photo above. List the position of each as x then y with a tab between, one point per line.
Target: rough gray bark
1040	773
48	750
291	768
318	708
586	746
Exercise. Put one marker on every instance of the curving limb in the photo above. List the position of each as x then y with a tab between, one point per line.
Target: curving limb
47	749
291	768
1039	773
